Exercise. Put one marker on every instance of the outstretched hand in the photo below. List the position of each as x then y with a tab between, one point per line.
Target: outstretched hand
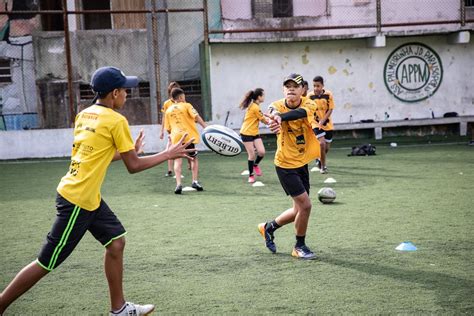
179	150
139	143
274	122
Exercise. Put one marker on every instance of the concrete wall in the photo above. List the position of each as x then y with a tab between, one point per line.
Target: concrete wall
49	143
353	72
126	49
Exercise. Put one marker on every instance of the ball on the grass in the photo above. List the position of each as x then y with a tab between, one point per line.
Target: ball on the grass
326	195
222	140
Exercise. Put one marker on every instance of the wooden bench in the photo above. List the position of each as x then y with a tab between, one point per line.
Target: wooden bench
379	125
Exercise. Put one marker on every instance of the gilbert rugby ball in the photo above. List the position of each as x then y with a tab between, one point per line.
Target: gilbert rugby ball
222	140
326	195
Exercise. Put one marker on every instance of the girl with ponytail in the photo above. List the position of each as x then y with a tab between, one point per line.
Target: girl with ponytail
249	130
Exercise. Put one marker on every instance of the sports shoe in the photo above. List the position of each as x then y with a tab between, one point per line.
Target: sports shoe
318	163
303	252
323	170
178	190
169	174
251	179
134	309
196	185
268	237
257	171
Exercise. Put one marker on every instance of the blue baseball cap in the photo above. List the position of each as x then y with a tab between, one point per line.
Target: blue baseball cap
106	79
296	78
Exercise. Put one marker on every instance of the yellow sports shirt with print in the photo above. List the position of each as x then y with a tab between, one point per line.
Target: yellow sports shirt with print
253	116
98	133
324	103
296	143
166	105
180	118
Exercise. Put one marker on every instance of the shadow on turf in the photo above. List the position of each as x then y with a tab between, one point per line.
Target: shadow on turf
452	291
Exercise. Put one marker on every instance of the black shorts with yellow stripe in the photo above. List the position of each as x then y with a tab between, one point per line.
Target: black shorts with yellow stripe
70	226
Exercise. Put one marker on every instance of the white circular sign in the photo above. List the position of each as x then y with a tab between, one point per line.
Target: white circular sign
413	72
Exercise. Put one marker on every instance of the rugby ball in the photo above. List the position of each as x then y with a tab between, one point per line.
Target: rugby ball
222	140
326	195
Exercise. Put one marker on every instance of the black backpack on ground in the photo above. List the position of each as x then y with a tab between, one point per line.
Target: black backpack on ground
363	150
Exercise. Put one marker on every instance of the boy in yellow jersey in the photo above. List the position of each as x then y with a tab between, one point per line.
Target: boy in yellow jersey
249	130
165	107
181	120
297	145
101	135
305	88
322	124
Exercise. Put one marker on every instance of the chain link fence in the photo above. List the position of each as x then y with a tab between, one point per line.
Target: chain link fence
49	50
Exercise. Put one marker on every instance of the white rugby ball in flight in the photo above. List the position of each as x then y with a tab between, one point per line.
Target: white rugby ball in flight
222	140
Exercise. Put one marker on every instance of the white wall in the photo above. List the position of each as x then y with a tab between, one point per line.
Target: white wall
49	143
353	72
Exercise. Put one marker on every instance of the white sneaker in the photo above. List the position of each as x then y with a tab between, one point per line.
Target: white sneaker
130	309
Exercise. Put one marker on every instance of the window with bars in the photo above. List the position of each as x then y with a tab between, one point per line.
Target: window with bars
469	3
282	8
5	71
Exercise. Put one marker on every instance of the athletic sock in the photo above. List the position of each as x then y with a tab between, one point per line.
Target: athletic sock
118	311
272	226
250	162
300	241
257	161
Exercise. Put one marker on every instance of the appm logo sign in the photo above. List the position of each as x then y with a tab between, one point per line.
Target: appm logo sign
413	72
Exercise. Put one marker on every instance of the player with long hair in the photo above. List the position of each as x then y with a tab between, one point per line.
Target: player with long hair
166	105
249	130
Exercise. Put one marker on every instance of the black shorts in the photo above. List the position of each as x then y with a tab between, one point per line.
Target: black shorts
71	224
322	133
294	181
193	153
319	132
328	136
248	138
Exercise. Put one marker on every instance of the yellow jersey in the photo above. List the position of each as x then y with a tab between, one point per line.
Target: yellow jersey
180	118
253	116
296	143
324	103
98	133
166	105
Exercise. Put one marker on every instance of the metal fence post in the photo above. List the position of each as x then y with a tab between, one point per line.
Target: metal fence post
205	67
379	16
156	60
67	46
155	94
